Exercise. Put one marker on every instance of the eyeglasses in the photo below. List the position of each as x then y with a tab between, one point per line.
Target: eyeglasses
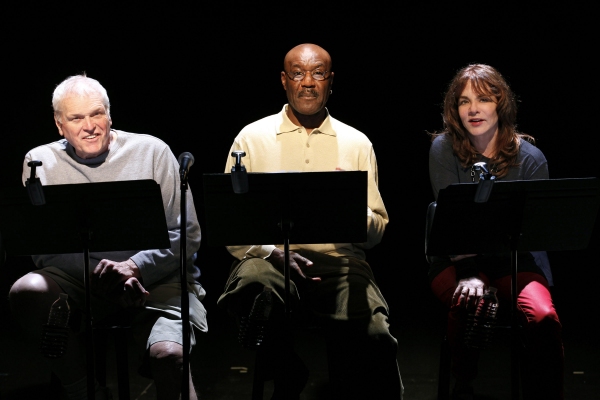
317	75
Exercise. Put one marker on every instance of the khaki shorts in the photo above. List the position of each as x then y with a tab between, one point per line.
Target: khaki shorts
158	320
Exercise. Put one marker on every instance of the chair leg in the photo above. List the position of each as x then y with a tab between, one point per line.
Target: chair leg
122	358
444	371
100	344
55	387
334	369
121	345
258	382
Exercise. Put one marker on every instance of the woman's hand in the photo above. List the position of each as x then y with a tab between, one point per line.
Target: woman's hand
468	291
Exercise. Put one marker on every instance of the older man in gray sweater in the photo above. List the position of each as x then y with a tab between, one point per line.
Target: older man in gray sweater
145	282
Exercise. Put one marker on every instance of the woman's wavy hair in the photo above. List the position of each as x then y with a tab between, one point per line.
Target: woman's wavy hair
487	81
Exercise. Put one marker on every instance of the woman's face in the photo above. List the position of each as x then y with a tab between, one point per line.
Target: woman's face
478	114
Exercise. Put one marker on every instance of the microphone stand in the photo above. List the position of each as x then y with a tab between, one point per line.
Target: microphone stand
185	310
36	196
239	181
484	189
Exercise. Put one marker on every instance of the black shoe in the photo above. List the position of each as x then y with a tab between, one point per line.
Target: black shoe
254	327
289	384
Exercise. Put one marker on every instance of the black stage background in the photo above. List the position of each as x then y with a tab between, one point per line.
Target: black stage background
195	75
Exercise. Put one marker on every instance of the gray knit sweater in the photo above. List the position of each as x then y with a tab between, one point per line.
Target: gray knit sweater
130	157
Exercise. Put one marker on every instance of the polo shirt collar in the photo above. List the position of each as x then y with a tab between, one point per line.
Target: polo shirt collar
286	125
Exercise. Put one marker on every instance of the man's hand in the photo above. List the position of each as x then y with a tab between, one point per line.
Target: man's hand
297	263
134	294
468	292
119	282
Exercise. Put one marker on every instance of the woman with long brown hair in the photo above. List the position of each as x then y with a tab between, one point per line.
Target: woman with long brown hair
480	126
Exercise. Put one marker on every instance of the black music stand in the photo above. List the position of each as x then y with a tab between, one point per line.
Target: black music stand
84	218
537	215
284	208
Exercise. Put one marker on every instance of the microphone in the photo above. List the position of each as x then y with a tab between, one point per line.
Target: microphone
239	176
186	160
486	182
484	174
34	185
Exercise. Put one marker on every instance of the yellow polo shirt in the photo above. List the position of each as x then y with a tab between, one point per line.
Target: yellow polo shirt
275	144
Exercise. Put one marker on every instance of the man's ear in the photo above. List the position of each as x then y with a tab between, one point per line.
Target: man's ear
284	80
58	125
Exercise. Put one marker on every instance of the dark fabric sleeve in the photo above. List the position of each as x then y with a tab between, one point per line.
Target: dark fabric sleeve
532	162
442	165
465	268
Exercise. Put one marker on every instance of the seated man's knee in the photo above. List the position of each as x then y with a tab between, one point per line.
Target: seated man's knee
254	267
166	355
30	291
384	341
248	280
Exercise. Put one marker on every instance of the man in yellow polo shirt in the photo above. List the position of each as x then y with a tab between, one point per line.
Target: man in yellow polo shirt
332	281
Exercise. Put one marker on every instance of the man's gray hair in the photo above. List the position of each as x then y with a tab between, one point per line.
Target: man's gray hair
80	85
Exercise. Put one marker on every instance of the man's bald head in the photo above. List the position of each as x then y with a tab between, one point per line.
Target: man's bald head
306	50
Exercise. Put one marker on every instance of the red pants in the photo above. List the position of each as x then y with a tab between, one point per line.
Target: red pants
543	360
